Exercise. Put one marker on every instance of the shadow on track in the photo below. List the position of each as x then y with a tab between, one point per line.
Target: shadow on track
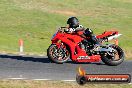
27	58
42	59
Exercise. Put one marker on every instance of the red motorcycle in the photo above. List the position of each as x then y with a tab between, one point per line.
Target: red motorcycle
69	46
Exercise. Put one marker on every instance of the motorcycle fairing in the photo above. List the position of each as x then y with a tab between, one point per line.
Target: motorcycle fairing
72	40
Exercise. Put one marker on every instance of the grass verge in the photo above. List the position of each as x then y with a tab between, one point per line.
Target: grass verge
54	84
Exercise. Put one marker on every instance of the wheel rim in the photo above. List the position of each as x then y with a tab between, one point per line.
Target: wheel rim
60	55
117	57
117	54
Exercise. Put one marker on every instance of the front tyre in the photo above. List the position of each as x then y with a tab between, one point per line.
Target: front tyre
58	55
115	58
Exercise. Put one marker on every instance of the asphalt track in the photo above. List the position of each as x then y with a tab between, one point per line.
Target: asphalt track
40	68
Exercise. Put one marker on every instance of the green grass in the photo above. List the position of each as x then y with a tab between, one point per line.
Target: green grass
35	21
55	84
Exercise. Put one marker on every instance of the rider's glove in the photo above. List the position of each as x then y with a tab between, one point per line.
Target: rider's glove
69	30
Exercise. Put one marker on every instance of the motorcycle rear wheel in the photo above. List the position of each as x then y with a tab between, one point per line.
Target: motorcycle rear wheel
115	60
56	55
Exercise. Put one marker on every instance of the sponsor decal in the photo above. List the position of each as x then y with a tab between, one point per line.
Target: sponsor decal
83	78
83	57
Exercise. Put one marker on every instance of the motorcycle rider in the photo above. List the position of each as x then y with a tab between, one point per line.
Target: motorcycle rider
74	26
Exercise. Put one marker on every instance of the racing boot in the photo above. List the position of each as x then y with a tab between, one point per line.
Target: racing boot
96	47
96	42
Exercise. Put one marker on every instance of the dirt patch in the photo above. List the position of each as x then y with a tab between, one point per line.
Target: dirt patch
126	1
64	12
128	54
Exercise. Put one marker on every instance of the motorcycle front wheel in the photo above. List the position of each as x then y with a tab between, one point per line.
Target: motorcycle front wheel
58	55
116	59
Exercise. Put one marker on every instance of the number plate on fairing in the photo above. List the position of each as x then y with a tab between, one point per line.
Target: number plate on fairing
83	57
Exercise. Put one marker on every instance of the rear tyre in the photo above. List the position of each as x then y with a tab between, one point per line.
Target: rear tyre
115	59
56	55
